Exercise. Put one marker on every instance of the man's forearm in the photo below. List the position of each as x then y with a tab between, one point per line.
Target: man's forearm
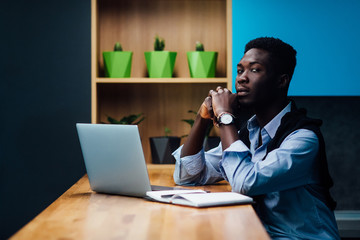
228	135
196	137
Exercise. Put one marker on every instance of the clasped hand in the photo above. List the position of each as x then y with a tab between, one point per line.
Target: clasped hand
218	101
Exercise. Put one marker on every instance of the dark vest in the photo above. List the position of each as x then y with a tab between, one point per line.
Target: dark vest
292	121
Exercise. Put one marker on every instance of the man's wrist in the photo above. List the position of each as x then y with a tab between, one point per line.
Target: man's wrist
224	118
203	120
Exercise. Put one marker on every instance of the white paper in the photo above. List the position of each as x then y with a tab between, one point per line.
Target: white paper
199	198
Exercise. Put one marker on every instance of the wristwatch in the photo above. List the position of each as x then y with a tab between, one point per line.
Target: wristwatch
225	118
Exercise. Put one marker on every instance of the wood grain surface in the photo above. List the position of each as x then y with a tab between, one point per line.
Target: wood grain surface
83	214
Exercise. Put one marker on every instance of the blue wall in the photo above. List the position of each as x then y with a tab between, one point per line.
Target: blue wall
325	34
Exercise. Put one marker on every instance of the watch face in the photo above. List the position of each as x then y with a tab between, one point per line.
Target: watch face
226	119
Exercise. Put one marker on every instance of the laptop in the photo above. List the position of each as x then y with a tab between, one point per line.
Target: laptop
114	159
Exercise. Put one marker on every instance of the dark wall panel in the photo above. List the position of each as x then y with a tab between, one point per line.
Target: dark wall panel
44	90
341	117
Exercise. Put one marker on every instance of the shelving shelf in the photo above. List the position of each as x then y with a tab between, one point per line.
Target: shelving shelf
161	80
164	101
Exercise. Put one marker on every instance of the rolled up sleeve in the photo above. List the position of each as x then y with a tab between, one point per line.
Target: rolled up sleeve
198	169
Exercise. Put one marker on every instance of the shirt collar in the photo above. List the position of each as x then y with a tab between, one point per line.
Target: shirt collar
273	125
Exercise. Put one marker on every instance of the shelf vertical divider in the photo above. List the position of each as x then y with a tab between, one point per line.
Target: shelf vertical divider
229	43
94	52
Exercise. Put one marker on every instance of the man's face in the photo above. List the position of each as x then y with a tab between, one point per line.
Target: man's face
255	81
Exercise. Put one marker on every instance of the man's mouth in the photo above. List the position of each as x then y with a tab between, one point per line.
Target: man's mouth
242	91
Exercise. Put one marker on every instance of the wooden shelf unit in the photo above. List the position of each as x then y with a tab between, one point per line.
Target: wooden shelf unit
164	101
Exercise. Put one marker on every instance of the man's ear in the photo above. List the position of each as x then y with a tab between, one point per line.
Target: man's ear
284	81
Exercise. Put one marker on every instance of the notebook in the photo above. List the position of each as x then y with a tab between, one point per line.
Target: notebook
114	159
199	198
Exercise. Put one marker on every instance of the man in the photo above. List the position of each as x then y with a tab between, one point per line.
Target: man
278	158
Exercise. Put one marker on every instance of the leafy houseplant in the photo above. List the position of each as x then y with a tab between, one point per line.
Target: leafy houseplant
132	119
160	63
202	64
162	148
209	141
117	63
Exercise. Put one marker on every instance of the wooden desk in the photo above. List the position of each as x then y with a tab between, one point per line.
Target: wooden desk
82	214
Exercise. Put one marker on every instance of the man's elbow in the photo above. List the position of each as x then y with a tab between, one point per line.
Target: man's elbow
178	181
246	186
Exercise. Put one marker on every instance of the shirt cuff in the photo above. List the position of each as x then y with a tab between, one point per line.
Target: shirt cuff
192	164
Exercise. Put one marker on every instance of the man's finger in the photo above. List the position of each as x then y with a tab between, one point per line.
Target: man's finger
211	92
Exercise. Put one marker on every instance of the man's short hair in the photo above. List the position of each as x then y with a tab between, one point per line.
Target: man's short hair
281	54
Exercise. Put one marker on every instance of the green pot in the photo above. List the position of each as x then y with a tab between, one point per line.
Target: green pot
160	64
202	64
117	64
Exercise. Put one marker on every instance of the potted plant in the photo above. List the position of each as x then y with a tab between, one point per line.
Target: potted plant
209	141
202	64
132	119
117	63
160	63
163	147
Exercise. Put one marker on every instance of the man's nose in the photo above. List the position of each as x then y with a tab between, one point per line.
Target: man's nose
242	78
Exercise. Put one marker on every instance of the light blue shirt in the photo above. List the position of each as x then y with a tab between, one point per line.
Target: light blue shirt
288	210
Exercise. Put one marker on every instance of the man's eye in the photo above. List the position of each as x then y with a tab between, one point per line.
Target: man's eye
255	70
239	71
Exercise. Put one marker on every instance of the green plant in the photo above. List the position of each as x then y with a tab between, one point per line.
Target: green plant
191	123
159	44
117	47
132	119
199	46
167	131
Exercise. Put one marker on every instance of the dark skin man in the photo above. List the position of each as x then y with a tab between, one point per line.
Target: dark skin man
277	157
258	85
